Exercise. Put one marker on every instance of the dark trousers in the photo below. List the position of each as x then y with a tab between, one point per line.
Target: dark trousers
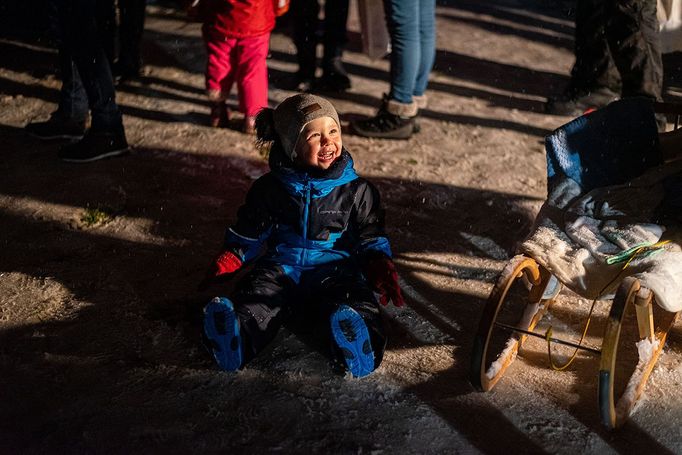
266	297
132	14
84	56
617	46
306	27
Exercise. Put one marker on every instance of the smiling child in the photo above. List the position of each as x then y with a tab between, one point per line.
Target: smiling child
314	232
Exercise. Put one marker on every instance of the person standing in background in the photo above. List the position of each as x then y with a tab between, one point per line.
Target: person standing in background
412	28
617	54
87	84
131	27
306	27
237	37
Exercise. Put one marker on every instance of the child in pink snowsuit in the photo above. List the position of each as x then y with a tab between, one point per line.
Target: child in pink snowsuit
237	36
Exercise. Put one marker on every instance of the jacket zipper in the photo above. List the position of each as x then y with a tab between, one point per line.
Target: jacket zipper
306	211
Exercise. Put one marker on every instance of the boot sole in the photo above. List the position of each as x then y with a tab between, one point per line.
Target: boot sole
73	137
350	334
221	331
110	154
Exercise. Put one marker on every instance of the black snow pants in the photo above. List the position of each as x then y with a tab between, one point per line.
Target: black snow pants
266	297
617	46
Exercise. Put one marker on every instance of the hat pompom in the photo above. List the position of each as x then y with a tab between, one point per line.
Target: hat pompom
265	130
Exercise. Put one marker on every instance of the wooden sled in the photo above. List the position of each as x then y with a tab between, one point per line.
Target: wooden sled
524	292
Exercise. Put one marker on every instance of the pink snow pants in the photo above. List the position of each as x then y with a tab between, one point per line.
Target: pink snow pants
241	60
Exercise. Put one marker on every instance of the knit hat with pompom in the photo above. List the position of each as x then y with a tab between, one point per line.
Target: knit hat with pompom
291	116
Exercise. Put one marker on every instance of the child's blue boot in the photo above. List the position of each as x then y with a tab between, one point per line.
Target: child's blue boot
221	332
352	337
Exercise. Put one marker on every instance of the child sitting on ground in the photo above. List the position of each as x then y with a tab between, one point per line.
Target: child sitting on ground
326	252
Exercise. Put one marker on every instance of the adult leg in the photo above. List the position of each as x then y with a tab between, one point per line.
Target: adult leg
252	77
306	24
396	116
68	121
635	45
427	45
334	76
130	31
82	37
594	78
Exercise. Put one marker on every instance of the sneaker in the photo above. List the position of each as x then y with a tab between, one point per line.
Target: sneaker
95	146
577	102
393	121
352	337
221	334
56	127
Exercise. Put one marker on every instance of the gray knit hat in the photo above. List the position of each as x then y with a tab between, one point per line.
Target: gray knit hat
292	115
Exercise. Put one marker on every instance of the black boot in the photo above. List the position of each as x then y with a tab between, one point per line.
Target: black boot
393	121
57	126
575	102
334	77
95	145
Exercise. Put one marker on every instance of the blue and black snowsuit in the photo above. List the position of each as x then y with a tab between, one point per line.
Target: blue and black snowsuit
309	236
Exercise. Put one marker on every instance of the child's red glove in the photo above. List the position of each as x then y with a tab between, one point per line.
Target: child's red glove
382	274
225	264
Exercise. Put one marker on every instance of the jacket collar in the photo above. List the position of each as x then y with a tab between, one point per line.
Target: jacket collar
297	180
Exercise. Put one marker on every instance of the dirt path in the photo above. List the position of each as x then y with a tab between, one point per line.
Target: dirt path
99	351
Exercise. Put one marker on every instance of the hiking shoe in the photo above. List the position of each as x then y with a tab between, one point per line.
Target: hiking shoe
56	127
350	334
577	102
393	121
95	146
221	333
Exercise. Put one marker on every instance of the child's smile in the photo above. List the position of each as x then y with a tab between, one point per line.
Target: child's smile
319	144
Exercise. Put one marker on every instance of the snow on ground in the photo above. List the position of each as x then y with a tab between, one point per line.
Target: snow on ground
99	345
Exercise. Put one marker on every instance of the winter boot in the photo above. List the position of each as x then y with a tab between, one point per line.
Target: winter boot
221	334
393	121
95	145
576	102
334	77
350	334
57	126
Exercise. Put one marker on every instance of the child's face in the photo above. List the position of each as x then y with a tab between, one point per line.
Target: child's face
319	144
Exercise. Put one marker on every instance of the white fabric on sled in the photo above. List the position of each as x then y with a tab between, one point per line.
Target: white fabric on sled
575	234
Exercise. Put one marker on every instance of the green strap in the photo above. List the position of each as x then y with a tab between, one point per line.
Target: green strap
642	250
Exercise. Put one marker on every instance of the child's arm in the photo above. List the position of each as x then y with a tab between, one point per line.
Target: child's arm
374	249
246	237
370	223
244	240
